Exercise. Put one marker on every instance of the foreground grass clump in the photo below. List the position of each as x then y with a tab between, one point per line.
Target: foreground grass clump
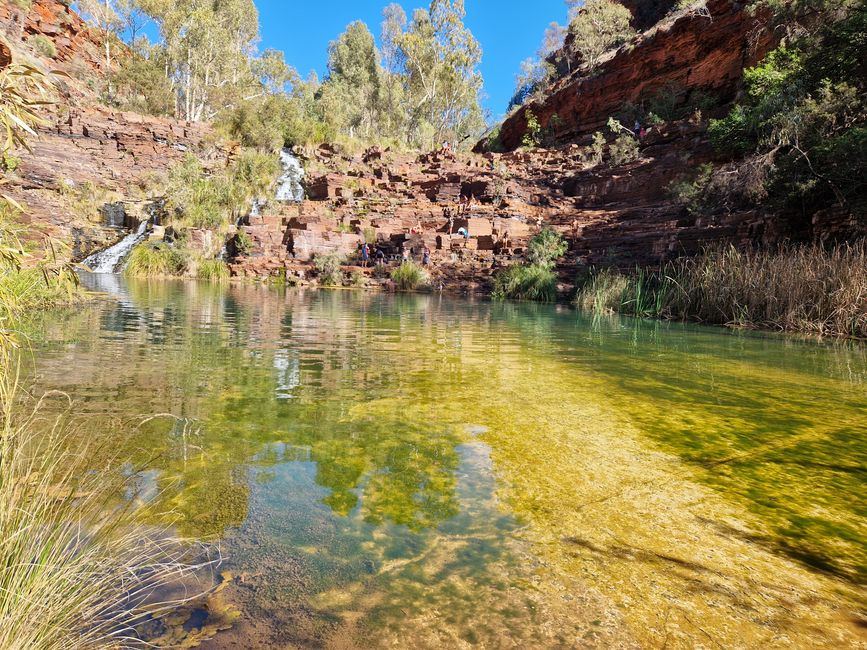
155	260
531	282
795	288
409	276
213	271
75	571
329	269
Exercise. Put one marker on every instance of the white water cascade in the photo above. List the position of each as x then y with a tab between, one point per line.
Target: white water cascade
289	186
110	260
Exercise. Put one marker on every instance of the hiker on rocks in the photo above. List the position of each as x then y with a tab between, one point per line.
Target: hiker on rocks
462	205
463	232
365	255
405	255
426	257
380	255
637	128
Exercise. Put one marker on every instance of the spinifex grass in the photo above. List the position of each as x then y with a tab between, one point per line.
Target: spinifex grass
795	288
75	569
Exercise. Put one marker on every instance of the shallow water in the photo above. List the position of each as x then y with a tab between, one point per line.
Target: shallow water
417	470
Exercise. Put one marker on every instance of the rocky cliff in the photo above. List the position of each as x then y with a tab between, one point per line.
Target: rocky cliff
688	54
83	180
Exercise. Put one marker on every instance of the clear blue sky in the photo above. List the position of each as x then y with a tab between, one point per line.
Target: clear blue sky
508	30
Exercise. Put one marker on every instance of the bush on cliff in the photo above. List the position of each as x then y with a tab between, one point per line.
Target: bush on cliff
546	247
410	276
804	115
526	282
329	269
599	26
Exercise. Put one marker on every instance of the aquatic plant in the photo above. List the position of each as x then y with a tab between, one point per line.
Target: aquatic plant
410	276
795	288
526	282
155	260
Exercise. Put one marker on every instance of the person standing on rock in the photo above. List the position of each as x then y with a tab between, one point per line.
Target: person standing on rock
405	255
365	255
426	257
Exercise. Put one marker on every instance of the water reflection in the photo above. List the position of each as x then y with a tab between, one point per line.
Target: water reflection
367	460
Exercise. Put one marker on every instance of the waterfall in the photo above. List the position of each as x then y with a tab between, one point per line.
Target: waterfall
290	188
109	260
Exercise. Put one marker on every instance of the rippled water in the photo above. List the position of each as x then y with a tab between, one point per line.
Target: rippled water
417	470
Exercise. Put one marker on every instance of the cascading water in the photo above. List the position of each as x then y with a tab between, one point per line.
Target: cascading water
110	260
289	186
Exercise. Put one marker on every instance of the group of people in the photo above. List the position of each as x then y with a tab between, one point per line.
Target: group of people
406	255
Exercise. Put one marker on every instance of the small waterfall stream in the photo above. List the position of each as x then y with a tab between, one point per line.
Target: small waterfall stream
289	186
110	259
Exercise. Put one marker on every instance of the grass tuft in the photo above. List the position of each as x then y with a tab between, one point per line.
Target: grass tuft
409	276
526	282
155	260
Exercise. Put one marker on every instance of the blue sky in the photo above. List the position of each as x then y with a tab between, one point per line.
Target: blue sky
508	30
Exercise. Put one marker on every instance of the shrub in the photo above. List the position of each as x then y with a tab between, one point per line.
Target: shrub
329	269
599	26
23	4
44	45
596	153
533	135
623	150
242	243
545	247
213	271
526	282
155	260
409	276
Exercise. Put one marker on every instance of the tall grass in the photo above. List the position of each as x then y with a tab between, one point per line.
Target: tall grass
75	569
795	288
213	271
409	276
526	282
155	260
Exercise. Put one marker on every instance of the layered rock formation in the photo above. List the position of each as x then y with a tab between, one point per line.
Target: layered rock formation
689	54
622	215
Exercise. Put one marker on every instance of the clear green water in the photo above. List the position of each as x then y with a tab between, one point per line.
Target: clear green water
392	470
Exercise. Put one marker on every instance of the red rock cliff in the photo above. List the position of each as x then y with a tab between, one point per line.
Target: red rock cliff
691	53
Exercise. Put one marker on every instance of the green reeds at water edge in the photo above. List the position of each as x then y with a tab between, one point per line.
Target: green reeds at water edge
795	288
76	568
410	276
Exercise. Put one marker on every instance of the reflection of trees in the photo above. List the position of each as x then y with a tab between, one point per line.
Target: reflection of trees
223	360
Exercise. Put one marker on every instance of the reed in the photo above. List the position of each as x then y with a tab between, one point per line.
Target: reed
409	276
808	289
213	271
155	260
534	282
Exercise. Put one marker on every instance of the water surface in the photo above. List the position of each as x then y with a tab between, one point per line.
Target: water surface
418	470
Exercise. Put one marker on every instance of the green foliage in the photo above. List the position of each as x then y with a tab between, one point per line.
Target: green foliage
623	150
533	135
243	244
596	153
23	4
526	282
409	276
208	200
43	45
329	269
213	271
23	91
805	114
140	82
155	260
546	247
599	26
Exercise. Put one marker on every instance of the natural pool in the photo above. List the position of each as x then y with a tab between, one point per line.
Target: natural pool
426	471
